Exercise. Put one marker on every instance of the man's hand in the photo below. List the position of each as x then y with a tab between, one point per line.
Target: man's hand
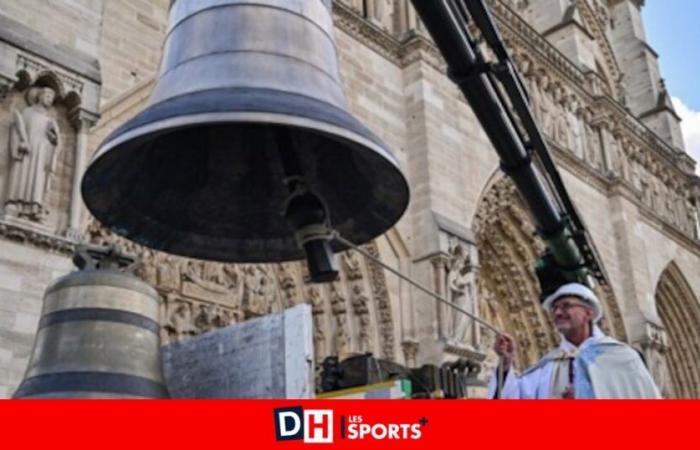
505	348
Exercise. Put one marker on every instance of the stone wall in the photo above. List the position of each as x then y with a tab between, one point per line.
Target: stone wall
72	24
131	42
25	272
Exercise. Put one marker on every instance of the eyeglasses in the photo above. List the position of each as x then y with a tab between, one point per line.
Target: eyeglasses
567	306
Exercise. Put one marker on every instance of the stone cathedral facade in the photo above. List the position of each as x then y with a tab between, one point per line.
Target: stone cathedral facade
72	71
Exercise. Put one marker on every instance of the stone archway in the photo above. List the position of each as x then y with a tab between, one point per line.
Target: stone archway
508	288
679	311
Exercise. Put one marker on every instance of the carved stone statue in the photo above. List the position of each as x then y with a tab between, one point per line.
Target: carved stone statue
287	285
360	301
460	291
168	274
614	153
545	106
383	13
575	130
193	271
207	275
351	264
204	320
179	323
318	311
337	301
320	350
213	273
147	270
592	141
360	306
342	338
366	343
35	142
231	274
267	290
258	291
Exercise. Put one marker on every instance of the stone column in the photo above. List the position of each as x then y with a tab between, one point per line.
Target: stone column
412	19
440	282
406	305
82	125
410	352
369	8
402	11
606	148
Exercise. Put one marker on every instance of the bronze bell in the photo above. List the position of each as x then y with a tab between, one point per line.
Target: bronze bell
246	149
98	334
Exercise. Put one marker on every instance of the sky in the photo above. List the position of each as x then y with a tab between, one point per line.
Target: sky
673	30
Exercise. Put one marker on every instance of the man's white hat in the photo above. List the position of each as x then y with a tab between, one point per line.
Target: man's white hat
577	290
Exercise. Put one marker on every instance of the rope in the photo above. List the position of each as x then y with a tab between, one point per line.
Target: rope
366	254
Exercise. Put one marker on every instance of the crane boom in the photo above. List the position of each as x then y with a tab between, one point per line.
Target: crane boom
500	102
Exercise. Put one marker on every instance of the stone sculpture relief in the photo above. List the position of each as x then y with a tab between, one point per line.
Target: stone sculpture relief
351	264
605	142
339	310
563	110
35	143
360	305
287	285
200	296
318	311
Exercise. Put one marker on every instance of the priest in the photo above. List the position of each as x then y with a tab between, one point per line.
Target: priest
588	364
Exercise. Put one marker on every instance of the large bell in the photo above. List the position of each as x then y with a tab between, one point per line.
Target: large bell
248	108
98	336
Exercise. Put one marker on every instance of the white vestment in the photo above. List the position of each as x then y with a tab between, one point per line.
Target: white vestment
602	368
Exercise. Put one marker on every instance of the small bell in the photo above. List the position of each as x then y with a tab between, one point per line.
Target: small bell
98	334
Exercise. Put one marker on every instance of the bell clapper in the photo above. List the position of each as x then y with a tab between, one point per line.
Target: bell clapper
308	215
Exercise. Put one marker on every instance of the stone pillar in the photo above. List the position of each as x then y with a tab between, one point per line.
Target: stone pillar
370	8
607	148
402	11
82	125
439	264
407	307
410	352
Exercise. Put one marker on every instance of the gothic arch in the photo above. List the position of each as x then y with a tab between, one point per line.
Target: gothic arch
679	310
609	68
508	287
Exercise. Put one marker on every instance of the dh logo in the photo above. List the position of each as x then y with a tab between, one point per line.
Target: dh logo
314	426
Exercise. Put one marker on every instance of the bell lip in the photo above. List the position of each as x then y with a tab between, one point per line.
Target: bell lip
362	137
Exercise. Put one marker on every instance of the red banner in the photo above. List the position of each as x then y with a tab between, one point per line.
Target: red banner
361	424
